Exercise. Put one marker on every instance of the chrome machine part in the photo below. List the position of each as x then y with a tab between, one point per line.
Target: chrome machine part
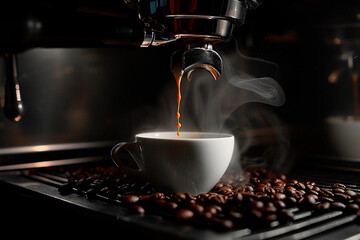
197	25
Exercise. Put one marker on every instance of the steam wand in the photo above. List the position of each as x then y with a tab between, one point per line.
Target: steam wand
13	107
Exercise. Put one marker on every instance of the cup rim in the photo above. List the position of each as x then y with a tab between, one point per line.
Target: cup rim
171	136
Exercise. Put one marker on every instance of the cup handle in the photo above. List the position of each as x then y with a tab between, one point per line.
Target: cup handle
133	149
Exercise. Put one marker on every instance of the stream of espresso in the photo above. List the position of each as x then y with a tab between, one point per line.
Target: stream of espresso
178	81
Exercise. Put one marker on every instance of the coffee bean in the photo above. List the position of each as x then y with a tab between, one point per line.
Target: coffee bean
279	196
157	195
179	197
338	190
138	209
184	214
291	201
308	200
269	207
337	206
235	214
211	209
223	223
159	202
314	192
131	199
225	190
293	181
190	196
326	199
271	217
286	215
323	206
280	204
258	204
197	208
171	205
341	197
352	207
260	189
249	188
218	185
326	193
239	197
256	213
301	186
339	185
351	193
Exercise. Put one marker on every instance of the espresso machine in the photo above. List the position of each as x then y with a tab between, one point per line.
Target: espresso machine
82	76
194	25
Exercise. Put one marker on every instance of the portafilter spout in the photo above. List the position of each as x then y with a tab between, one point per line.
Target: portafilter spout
193	58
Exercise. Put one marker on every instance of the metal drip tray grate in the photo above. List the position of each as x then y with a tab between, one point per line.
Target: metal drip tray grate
299	220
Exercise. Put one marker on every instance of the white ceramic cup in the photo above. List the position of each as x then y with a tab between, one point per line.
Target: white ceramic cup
193	162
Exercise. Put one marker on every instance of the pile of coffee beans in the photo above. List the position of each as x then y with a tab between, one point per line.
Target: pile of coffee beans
257	196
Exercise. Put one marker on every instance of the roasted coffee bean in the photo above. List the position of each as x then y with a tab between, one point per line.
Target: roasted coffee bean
269	207
341	197
270	190
207	215
235	214
138	209
157	195
300	186
309	187
197	208
190	196
218	185
184	214
280	204
323	206
337	206
338	190
291	201
249	188
308	200
211	209
326	193
179	196
260	188
258	204
256	213
171	205
352	207
225	190
159	202
219	199
279	196
326	199
339	185
223	223
271	217
293	181
131	199
314	192
286	215
289	191
351	193
238	197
